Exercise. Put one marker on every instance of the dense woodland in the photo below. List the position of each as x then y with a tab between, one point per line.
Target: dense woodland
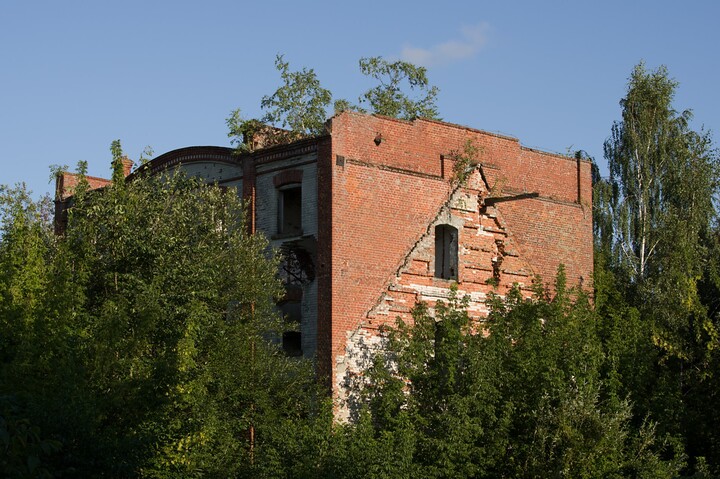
125	351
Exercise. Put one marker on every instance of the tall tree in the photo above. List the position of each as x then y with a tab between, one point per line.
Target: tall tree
660	171
657	233
389	97
26	241
298	108
664	178
300	104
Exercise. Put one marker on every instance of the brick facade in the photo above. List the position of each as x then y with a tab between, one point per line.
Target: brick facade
521	213
371	195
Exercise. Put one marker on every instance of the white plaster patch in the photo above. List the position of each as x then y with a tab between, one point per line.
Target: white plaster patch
430	292
361	347
464	201
481	232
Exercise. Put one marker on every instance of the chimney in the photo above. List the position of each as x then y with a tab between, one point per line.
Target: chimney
127	165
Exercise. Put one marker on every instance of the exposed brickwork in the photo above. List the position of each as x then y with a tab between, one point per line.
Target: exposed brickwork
387	195
373	191
67	182
488	261
65	185
127	165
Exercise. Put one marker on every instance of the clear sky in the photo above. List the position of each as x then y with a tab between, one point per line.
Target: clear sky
75	75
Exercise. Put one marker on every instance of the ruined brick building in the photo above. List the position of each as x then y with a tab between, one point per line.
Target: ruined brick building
370	222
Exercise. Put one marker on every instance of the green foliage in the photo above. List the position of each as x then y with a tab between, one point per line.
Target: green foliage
23	451
300	104
389	99
656	277
528	397
240	130
465	161
126	343
360	451
25	241
664	177
118	169
146	155
298	108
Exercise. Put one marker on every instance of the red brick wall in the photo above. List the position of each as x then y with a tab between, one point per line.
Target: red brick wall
65	185
551	233
67	182
385	195
377	216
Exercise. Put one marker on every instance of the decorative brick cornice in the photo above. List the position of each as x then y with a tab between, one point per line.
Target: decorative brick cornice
282	152
188	155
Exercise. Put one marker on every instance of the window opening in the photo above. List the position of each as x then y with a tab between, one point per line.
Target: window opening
297	266
446	252
292	343
290	210
292	339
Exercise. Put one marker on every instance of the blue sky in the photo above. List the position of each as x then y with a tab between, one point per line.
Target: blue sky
75	75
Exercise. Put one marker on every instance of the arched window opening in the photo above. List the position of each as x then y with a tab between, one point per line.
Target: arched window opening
446	252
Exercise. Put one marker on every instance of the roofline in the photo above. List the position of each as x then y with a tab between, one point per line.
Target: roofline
188	154
191	154
466	128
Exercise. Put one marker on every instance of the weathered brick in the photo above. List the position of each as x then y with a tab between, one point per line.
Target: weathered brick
369	212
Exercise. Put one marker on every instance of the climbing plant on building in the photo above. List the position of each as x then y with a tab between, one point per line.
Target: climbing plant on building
464	161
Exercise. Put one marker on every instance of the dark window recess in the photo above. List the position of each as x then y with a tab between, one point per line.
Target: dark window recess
292	344
292	340
290	211
446	252
297	267
291	312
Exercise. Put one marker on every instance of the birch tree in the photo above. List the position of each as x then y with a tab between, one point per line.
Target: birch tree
660	171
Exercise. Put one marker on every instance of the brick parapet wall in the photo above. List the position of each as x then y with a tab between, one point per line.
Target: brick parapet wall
418	145
65	185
